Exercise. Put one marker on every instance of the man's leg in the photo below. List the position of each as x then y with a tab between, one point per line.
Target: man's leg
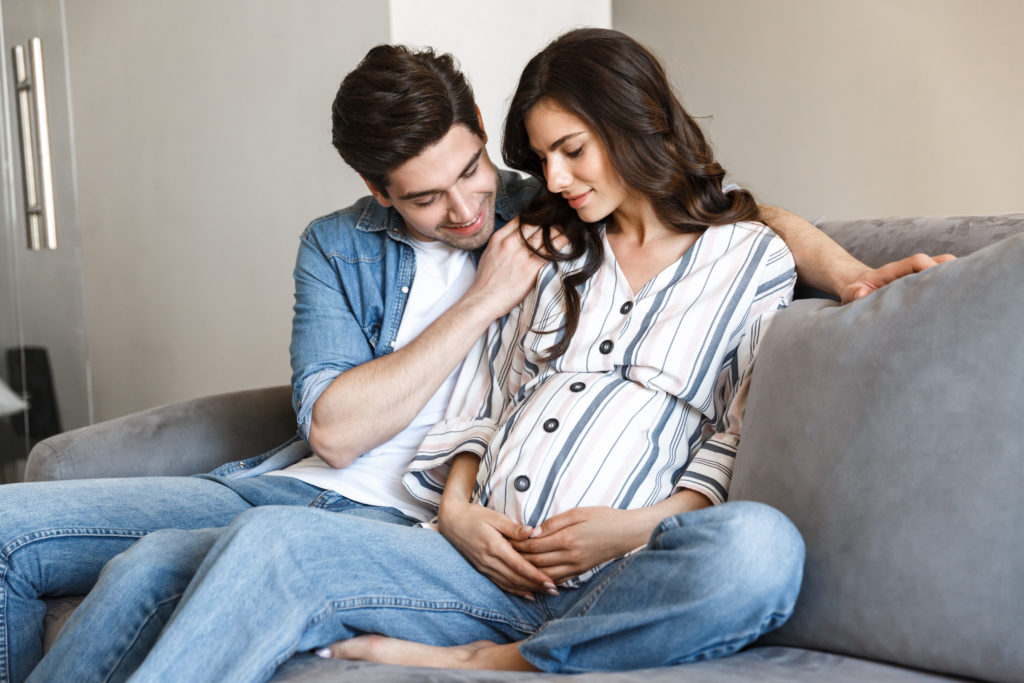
283	580
708	583
110	633
115	626
55	538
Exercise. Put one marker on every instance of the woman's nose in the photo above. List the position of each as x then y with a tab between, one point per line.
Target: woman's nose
557	176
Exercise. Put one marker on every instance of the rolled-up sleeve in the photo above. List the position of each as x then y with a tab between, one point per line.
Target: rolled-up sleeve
327	339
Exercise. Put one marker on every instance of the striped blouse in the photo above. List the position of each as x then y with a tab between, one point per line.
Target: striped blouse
647	399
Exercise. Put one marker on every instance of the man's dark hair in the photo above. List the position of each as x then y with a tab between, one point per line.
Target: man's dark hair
394	105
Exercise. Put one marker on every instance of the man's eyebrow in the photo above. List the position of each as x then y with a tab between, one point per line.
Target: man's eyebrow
560	141
465	170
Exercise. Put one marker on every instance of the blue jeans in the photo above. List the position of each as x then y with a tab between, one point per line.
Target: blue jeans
55	537
283	580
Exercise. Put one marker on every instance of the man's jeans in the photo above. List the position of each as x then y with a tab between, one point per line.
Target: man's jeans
283	580
55	537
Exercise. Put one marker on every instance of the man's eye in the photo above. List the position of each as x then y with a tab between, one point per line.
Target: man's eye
471	172
427	202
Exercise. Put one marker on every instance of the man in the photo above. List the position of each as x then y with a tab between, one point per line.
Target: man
391	294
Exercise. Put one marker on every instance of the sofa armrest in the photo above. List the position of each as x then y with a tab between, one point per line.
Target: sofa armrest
183	438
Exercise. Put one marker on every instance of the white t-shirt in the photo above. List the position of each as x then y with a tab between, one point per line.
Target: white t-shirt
443	274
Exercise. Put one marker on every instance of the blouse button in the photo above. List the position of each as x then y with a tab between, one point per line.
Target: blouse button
521	483
626	308
606	346
550	425
577	387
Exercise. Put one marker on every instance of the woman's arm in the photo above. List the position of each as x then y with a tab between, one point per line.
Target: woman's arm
482	535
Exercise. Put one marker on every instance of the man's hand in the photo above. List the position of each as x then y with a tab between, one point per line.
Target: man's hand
508	269
580	539
483	537
875	278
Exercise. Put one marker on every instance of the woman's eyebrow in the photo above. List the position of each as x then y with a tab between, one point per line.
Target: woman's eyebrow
559	142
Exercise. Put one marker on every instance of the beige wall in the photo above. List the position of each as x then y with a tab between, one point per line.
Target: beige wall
846	109
203	145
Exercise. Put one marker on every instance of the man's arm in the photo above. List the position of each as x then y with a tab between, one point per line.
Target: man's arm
825	265
371	402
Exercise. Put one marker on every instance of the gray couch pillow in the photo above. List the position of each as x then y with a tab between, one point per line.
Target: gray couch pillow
891	432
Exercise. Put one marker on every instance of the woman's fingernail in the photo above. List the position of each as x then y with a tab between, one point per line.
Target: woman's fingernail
549	585
324	652
552	591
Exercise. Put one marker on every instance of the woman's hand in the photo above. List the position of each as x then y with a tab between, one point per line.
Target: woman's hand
582	538
483	537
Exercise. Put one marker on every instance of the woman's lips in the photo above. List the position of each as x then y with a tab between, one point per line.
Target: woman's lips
576	201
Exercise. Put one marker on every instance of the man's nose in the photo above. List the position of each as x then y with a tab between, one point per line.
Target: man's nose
460	207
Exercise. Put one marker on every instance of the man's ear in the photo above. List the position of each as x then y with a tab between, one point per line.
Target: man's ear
377	193
480	122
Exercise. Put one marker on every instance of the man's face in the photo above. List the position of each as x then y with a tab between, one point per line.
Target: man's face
446	193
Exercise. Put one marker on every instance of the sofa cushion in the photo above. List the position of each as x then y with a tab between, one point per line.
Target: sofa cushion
890	432
762	664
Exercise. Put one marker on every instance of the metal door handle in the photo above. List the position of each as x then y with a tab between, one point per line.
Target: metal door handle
35	145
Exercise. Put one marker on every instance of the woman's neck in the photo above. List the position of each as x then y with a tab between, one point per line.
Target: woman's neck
636	223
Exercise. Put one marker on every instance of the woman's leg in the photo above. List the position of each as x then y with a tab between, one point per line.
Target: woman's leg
708	583
55	538
283	580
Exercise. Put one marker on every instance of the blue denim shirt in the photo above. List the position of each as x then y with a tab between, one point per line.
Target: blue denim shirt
352	279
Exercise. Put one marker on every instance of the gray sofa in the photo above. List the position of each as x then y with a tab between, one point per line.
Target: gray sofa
887	430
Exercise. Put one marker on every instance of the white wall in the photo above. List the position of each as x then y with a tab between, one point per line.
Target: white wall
847	109
203	144
492	41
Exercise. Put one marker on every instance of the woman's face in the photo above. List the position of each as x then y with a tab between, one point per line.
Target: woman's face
575	161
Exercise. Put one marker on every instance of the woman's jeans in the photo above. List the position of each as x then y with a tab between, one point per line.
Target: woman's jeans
55	537
283	580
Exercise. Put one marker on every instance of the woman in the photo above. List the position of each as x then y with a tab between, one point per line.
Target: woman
597	425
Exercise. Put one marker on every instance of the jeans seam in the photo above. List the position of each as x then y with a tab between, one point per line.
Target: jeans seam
61	532
418	605
5	664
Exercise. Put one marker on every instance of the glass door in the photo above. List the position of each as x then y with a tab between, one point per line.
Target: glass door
44	353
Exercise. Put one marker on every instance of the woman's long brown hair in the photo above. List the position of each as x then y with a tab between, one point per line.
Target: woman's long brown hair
619	89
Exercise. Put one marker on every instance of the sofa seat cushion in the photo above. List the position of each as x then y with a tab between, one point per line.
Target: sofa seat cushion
763	664
890	432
